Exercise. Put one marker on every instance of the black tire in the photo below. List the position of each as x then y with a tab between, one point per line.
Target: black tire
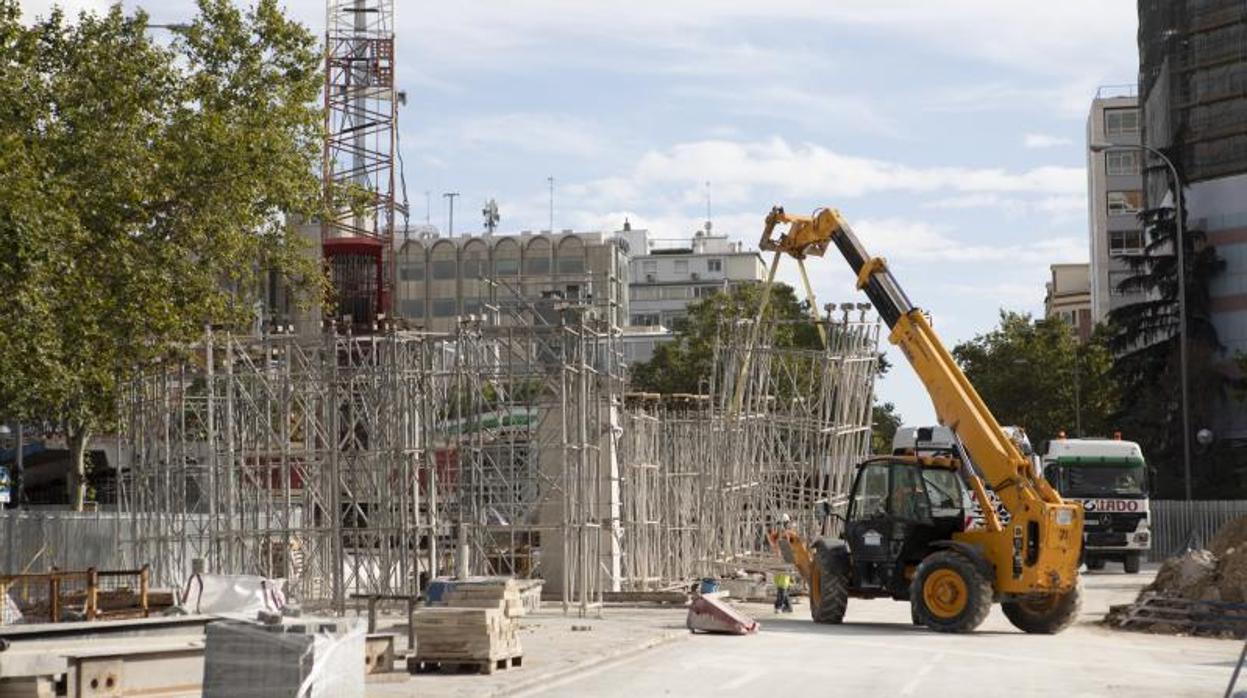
829	602
967	608
1132	563
1045	615
1095	564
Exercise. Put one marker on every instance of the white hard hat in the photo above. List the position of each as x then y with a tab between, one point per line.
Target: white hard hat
784	518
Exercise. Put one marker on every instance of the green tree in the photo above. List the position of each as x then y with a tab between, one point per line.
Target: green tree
144	191
884	421
685	364
1145	340
1036	375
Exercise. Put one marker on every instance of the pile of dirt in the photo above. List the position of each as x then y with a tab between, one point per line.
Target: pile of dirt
1216	576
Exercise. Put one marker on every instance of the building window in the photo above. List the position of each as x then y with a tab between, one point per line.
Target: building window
539	264
681	266
443	307
1125	242
644	293
714	265
472	306
410	308
649	267
1121	122
1124	203
412	271
571	265
507	266
443	269
676	293
645	319
706	291
474	267
1115	279
1122	162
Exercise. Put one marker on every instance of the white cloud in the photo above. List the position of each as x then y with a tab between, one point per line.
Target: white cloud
918	241
810	170
1044	140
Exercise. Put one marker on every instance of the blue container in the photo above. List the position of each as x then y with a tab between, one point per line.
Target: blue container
436	589
709	586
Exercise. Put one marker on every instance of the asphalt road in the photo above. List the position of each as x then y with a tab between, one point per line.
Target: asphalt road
876	652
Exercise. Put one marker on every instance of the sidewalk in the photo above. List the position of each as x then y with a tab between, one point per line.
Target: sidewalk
552	650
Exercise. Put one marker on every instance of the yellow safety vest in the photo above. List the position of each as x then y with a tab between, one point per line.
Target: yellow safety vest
782	580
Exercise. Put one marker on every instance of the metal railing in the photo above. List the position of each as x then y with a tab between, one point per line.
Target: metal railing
73	595
1177	524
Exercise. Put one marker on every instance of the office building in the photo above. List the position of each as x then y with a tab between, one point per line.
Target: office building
441	279
1193	91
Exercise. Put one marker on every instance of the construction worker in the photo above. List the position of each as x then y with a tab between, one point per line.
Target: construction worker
783	581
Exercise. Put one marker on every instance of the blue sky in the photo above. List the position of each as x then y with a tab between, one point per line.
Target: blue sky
949	133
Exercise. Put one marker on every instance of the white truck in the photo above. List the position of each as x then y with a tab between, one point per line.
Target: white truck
1109	478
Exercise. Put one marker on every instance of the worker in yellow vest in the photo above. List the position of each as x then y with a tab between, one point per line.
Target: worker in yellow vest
783	581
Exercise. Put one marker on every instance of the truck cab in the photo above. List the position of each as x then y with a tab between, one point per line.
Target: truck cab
1109	478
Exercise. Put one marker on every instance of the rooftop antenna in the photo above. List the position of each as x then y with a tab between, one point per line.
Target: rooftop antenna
490	212
709	225
551	181
427	206
450	227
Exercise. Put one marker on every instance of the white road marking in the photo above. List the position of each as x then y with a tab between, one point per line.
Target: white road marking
909	688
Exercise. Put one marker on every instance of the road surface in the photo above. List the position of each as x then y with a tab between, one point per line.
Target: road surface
876	652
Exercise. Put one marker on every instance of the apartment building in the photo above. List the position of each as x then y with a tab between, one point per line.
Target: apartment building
1115	197
1068	297
666	275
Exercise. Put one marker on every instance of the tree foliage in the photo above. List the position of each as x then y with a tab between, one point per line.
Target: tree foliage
1036	375
685	364
145	187
1145	337
884	421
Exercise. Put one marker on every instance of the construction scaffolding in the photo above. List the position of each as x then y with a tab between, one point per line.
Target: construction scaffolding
704	483
351	464
369	464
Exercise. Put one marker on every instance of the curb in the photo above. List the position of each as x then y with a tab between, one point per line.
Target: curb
615	655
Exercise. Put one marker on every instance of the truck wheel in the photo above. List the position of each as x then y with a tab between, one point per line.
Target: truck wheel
1095	564
833	586
950	594
1044	614
1132	563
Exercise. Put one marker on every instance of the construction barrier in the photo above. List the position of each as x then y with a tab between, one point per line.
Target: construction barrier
1179	524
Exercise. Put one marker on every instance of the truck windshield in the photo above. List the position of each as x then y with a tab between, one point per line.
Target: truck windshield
1102	481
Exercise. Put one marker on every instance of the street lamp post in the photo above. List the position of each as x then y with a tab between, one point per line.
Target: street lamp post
1180	235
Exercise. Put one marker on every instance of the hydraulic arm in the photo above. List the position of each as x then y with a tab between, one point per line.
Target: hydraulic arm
1034	551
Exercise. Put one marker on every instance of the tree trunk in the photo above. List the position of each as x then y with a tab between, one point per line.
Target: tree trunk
77	480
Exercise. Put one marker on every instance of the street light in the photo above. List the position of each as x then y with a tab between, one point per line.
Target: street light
1180	238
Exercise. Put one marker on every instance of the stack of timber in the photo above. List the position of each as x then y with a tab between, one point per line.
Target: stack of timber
474	639
473	626
502	593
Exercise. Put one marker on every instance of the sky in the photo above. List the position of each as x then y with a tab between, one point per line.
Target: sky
950	134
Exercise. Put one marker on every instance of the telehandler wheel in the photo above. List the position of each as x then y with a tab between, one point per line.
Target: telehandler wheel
833	586
1044	614
1132	563
949	593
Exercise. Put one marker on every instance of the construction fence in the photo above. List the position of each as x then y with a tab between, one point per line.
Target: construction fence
1179	524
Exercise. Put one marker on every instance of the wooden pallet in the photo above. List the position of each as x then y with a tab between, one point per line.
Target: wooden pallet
1183	614
461	665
